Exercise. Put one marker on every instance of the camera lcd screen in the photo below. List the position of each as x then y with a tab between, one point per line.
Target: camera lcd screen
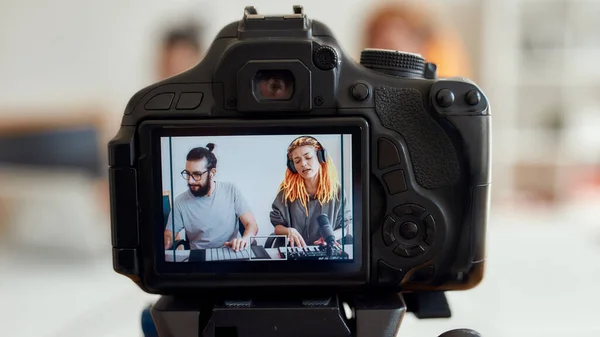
281	198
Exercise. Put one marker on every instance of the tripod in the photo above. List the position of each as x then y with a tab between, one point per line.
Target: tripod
322	315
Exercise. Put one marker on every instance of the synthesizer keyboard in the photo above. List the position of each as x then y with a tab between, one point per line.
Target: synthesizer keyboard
228	254
312	253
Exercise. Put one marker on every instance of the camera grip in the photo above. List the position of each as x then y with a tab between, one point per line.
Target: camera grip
433	156
475	131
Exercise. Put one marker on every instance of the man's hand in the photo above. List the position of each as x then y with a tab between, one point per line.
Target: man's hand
238	244
168	239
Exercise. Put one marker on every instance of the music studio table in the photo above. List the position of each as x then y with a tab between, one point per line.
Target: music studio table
258	253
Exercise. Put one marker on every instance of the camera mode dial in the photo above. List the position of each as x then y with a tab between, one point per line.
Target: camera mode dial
393	62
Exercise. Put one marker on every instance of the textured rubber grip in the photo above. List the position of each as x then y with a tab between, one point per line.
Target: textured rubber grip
434	158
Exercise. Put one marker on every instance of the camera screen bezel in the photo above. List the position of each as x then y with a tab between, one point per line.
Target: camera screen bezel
298	272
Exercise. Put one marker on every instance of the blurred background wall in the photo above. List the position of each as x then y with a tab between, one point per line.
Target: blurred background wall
68	68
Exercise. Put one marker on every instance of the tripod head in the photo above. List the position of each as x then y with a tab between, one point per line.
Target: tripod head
323	315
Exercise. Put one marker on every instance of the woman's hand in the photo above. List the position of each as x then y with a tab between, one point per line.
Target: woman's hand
322	242
295	239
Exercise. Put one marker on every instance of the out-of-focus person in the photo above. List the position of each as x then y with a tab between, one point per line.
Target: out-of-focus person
412	28
180	48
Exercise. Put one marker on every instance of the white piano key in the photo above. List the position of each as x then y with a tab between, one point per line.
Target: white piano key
225	252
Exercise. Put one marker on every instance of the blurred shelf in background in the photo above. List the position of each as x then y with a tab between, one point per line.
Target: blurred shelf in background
540	71
54	195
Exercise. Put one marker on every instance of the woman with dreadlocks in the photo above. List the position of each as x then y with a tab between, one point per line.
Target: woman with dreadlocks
311	187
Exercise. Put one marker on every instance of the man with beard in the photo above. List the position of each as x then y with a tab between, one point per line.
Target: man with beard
209	209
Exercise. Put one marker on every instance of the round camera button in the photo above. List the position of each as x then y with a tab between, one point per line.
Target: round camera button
473	97
360	91
445	97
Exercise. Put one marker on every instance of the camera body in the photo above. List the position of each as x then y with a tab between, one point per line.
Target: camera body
417	154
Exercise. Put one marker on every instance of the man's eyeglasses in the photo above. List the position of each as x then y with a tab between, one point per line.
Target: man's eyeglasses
195	175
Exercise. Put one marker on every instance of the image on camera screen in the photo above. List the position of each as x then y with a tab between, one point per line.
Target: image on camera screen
257	198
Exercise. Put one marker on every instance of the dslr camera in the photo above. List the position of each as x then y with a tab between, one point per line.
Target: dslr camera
279	161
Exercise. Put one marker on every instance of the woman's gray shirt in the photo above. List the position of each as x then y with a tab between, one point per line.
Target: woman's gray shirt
293	214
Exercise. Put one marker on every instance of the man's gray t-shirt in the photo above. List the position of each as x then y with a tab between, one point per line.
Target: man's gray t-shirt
209	221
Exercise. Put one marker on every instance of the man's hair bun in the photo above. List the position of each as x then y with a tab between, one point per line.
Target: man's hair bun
210	146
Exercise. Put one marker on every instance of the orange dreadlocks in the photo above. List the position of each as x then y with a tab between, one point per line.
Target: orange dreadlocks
293	186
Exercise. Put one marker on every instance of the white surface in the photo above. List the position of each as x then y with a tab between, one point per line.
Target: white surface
541	280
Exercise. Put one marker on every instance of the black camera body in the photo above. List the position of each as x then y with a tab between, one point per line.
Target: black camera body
419	159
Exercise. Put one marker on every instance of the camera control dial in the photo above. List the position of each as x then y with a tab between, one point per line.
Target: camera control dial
393	62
